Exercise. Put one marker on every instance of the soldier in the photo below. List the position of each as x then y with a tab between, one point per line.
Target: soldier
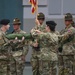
4	60
48	47
20	51
67	62
69	16
36	50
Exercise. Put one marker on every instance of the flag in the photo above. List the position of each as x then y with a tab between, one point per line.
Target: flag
33	5
30	1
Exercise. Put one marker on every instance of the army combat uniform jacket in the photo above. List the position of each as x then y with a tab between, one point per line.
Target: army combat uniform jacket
67	42
48	56
4	55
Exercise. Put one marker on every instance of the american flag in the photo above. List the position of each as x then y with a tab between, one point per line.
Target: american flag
33	5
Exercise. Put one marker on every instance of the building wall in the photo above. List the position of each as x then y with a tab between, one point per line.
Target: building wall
11	9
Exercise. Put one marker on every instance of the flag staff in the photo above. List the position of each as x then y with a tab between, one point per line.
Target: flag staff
36	12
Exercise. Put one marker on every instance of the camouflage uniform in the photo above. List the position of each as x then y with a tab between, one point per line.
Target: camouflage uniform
20	51
67	62
4	54
49	58
48	45
36	50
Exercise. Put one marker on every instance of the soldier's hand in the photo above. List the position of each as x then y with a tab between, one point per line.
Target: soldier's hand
38	32
22	40
37	22
35	44
15	40
18	40
23	57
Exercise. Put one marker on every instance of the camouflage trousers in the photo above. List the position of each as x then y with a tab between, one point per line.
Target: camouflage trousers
49	67
4	67
66	65
35	66
17	66
44	67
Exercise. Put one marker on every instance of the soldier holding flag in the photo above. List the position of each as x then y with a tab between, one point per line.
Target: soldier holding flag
36	50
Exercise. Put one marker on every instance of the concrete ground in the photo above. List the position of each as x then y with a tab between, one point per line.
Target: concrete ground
27	70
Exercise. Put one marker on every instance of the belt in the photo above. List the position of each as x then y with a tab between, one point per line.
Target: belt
66	54
18	49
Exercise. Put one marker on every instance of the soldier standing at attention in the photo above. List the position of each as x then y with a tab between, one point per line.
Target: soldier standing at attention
67	18
4	61
36	50
67	62
49	47
20	51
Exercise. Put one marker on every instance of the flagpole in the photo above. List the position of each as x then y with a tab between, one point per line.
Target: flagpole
36	12
36	7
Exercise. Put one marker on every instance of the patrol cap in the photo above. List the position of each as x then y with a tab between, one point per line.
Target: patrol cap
51	25
4	21
68	17
16	21
40	16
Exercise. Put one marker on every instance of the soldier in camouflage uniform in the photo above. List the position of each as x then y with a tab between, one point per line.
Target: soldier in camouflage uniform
36	50
4	58
67	62
72	23
19	52
48	46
